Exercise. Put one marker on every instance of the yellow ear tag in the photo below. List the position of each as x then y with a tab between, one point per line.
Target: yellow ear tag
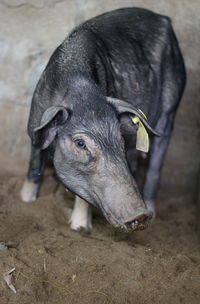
142	141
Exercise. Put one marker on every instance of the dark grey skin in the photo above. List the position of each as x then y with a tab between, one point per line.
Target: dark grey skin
95	82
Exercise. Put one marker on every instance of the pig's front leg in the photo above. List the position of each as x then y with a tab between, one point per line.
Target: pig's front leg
29	191
81	215
34	178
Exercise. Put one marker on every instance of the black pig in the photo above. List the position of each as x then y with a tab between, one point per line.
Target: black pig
109	70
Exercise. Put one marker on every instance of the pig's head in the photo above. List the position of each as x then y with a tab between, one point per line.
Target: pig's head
89	156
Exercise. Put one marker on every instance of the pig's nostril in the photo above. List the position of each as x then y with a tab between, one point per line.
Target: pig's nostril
139	223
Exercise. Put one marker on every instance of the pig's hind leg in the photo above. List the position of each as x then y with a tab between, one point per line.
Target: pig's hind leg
158	150
173	83
34	178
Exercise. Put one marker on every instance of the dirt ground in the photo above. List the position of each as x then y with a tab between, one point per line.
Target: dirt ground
56	265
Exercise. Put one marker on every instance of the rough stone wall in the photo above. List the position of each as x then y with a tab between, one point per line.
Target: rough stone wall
31	29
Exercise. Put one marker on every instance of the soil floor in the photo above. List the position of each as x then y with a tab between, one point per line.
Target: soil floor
56	265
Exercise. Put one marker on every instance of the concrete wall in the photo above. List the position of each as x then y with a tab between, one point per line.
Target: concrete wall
31	29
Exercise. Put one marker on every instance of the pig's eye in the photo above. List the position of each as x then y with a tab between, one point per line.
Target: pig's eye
80	143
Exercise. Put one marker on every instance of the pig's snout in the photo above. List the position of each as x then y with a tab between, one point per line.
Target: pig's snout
140	222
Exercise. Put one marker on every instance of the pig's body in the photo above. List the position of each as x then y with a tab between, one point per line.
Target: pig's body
129	54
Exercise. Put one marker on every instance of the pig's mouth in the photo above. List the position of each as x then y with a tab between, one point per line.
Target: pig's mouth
139	221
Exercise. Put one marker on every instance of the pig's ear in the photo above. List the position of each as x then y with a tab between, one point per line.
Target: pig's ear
52	119
124	107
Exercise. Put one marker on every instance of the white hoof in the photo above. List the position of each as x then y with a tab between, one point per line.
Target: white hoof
81	216
151	207
29	191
